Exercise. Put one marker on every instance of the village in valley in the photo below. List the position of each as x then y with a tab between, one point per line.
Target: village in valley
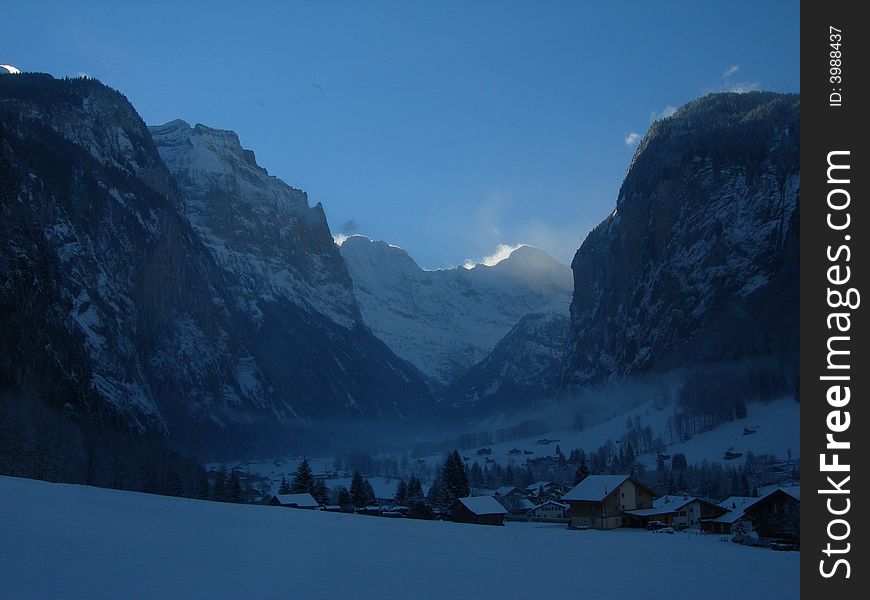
756	503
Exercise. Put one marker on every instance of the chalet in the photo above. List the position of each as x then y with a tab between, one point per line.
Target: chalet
732	521
776	515
295	501
600	501
677	511
550	510
773	515
482	510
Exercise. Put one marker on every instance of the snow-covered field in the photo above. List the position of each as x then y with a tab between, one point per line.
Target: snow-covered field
69	541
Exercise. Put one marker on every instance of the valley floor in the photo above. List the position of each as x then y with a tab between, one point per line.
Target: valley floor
70	541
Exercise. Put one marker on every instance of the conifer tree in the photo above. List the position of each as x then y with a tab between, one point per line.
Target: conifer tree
319	492
370	493
358	491
234	487
415	490
303	479
344	498
285	487
219	490
509	476
582	471
401	497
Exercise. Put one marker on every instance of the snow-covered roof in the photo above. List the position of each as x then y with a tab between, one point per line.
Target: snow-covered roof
541	484
729	517
504	490
737	505
526	504
483	505
301	500
737	502
554	502
663	506
595	488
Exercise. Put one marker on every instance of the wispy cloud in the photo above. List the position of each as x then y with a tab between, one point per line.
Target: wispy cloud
632	138
741	87
729	83
502	251
663	113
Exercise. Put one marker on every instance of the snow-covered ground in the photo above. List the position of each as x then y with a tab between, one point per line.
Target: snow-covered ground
69	541
777	432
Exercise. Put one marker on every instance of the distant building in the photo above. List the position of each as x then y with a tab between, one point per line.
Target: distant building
513	499
545	490
677	511
599	501
482	510
295	501
550	510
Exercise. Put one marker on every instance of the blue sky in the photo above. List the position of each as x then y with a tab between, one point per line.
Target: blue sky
443	128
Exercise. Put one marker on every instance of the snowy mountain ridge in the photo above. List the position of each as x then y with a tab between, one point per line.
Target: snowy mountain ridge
445	321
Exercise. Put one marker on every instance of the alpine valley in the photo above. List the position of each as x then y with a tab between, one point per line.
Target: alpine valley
157	284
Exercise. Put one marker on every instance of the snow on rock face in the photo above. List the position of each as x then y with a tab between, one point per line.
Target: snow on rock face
206	300
445	321
519	372
699	261
257	227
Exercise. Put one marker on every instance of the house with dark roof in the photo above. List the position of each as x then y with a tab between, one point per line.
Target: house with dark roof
677	511
295	501
600	501
482	510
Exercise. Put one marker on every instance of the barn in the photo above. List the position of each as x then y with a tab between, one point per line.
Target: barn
481	510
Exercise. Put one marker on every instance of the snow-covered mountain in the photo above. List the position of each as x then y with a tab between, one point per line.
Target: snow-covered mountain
518	373
201	298
696	267
698	263
445	321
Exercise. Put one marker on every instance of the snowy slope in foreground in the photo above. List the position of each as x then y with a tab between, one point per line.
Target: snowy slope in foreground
74	542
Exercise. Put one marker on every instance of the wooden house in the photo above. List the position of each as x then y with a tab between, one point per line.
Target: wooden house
550	511
681	512
482	510
600	501
776	514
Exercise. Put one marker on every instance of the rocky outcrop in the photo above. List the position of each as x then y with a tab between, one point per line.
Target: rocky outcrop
698	262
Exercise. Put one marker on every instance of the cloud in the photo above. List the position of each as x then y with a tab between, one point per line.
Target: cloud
339	238
741	87
632	138
502	251
663	113
728	84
